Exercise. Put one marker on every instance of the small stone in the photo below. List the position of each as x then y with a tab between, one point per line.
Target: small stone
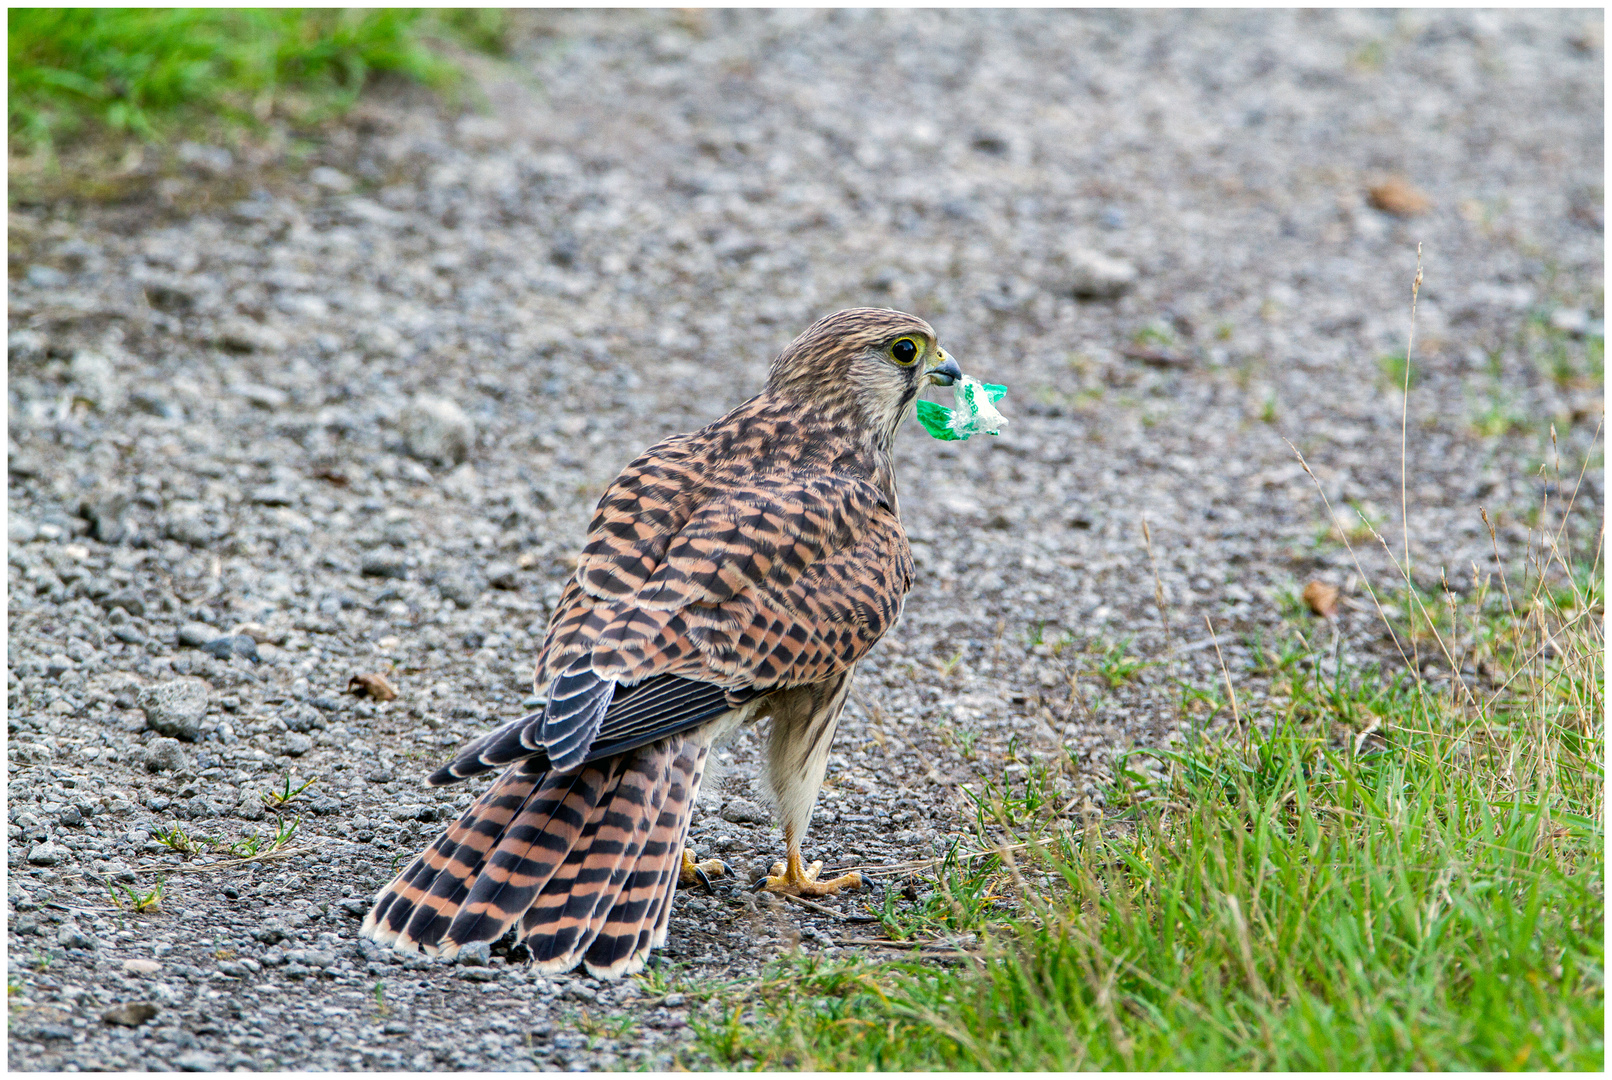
501	575
95	379
127	599
264	397
1095	276
250	807
331	179
743	811
196	1061
297	744
19	530
230	645
138	966
47	854
104	511
207	160
437	430
175	708
674	1001
274	495
134	1013
476	954
462	589
41	276
244	335
1576	322
384	565
478	974
164	755
71	937
196	634
356	906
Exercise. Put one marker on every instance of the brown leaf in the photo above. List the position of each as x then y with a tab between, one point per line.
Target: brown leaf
1322	598
374	684
1396	196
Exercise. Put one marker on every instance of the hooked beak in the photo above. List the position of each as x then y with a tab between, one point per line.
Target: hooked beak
946	372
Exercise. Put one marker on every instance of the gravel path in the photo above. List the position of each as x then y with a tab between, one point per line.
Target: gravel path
291	419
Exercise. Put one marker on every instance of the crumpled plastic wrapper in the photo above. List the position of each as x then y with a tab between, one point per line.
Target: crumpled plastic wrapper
974	411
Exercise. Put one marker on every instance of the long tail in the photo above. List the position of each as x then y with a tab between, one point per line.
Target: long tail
586	861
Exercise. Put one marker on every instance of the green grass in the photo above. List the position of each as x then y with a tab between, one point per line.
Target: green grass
147	72
1378	872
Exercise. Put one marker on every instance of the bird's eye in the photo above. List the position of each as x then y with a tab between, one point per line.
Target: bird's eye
905	350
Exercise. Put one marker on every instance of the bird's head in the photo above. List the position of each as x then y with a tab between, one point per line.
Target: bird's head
871	362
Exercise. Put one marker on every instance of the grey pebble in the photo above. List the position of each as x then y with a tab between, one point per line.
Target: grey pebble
71	937
175	708
743	811
384	565
1095	276
164	755
128	600
296	744
503	575
196	1061
196	634
437	430
47	854
241	645
45	277
476	954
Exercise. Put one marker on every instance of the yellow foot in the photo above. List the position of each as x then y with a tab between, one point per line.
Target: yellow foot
700	872
791	878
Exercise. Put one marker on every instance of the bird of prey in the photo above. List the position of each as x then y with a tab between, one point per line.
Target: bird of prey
734	573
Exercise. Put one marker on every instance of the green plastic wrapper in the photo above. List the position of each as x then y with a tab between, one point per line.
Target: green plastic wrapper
975	411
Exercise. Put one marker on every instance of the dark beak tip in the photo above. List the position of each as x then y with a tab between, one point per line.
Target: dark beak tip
946	373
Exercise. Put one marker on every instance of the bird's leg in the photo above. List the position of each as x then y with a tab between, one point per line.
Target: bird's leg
791	877
701	872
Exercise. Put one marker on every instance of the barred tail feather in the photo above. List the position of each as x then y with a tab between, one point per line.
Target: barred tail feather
415	909
636	923
586	862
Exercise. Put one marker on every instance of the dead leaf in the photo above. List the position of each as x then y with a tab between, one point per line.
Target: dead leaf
374	684
1322	598
1396	195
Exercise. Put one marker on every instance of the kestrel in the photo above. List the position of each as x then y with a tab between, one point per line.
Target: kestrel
729	574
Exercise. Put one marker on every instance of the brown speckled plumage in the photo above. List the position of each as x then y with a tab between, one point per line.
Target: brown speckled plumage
731	573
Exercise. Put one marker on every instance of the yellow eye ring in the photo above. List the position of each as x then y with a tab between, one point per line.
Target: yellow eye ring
904	350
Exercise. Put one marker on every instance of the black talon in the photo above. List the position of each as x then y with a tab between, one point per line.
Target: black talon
705	882
759	884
